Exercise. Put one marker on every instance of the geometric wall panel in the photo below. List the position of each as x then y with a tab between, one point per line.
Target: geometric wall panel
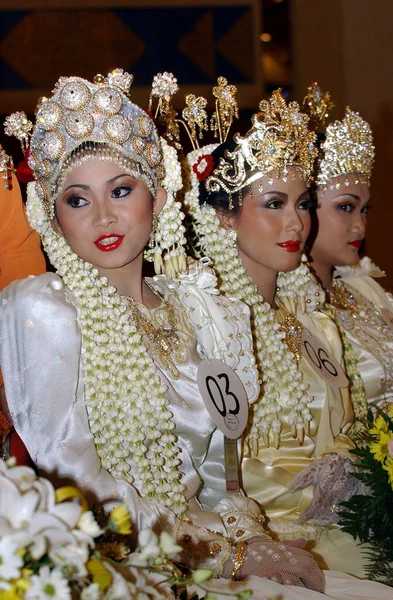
197	42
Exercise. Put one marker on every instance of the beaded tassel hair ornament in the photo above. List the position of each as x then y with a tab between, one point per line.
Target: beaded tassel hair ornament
98	120
278	138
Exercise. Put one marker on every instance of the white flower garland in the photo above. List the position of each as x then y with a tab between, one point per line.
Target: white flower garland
299	287
279	375
168	253
129	415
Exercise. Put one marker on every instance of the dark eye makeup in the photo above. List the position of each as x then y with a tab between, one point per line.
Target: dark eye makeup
76	201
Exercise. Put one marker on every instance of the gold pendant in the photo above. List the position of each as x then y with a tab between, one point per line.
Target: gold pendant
293	330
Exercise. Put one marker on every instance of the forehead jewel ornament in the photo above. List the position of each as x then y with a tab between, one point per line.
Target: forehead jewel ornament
279	138
81	112
348	148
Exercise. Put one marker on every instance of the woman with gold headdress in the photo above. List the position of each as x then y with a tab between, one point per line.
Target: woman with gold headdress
102	368
251	205
358	304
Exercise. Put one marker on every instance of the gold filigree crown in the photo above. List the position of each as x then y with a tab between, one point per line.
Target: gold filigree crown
81	112
278	139
348	148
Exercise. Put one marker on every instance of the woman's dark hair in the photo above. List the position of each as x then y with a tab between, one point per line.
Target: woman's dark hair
220	200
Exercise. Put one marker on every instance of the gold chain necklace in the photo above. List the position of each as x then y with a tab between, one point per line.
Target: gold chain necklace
164	342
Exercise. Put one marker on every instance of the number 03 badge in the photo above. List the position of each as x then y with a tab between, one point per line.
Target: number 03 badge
224	396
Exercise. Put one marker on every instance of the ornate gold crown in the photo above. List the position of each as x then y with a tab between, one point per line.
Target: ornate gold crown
279	138
79	113
348	148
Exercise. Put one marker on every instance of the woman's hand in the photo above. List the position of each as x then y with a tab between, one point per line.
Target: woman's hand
284	562
333	481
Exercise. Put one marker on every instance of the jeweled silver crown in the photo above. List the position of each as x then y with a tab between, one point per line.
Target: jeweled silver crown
81	111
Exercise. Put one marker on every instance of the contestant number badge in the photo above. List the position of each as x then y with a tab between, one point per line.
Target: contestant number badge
226	401
321	361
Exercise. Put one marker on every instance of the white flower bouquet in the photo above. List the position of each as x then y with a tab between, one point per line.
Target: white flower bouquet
49	548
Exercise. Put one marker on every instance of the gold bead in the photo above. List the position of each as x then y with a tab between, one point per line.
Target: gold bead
99	79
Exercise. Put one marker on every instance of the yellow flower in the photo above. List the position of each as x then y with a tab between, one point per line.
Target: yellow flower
388	466
379	425
99	573
380	448
120	520
10	594
390	410
22	584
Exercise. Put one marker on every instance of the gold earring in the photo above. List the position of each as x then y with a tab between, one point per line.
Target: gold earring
154	225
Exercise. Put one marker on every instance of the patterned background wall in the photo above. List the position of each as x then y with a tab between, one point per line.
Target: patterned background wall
197	42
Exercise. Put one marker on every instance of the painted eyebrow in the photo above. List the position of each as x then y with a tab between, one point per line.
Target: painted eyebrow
354	196
276	193
87	187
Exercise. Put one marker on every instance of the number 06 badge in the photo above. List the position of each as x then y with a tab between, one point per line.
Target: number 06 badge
224	396
321	361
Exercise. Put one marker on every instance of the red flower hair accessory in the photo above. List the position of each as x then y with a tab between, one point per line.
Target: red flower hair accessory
203	167
23	172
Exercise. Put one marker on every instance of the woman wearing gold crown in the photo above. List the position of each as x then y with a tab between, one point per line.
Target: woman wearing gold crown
250	203
101	367
357	303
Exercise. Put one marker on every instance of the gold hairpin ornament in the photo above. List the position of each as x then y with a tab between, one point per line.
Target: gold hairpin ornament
317	105
226	108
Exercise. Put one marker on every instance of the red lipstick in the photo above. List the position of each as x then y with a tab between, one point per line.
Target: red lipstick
290	245
108	242
356	243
